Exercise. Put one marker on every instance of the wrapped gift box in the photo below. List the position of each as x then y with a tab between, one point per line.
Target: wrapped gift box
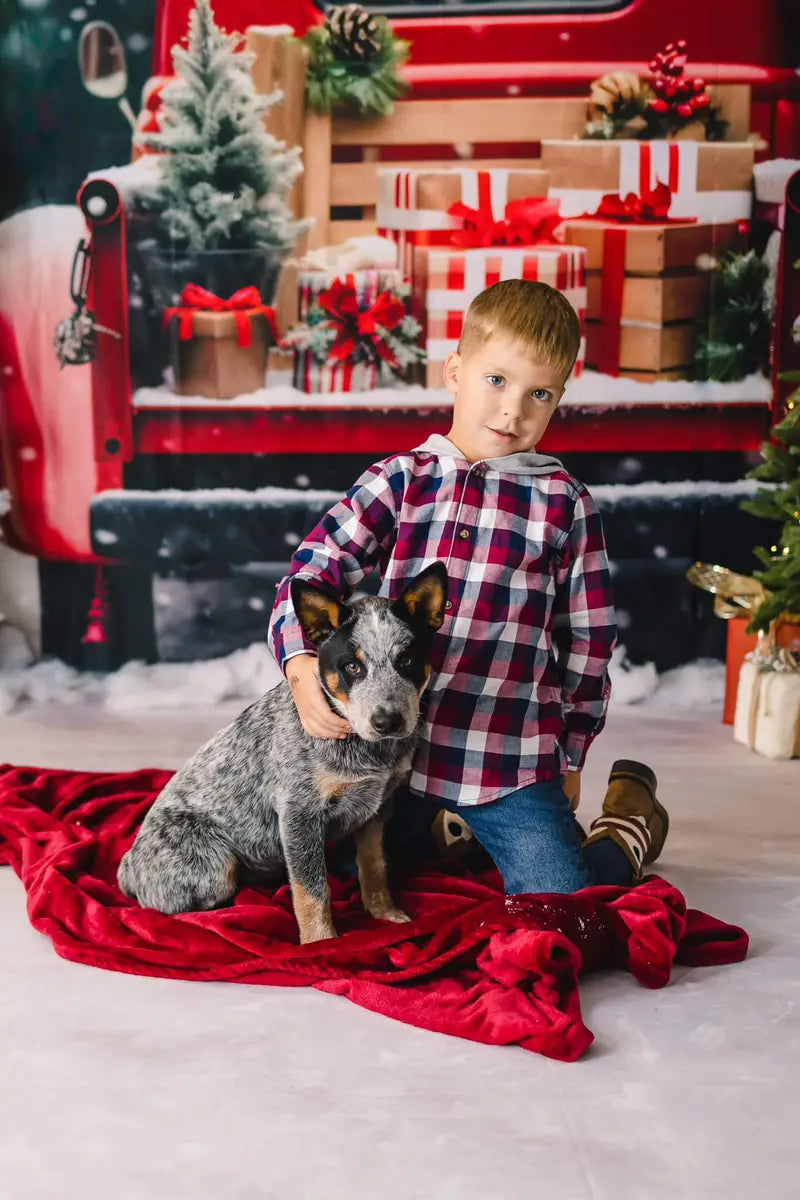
740	643
710	181
213	362
767	715
324	378
447	280
644	350
369	283
645	292
348	376
655	247
413	203
655	299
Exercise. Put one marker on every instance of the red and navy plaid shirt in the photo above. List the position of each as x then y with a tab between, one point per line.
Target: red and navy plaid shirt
520	667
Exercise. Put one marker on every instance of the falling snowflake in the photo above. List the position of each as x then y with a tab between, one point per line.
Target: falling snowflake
137	42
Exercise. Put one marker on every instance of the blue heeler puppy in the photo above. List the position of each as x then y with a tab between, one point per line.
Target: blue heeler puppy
265	796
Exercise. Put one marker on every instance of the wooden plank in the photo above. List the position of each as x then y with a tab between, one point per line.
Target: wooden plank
734	99
280	63
357	183
317	189
446	122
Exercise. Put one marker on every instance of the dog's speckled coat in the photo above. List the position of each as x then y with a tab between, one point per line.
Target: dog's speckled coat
265	796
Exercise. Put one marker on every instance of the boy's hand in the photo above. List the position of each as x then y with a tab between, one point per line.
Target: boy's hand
316	715
572	788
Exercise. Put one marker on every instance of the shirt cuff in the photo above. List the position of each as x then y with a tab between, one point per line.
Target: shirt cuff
296	654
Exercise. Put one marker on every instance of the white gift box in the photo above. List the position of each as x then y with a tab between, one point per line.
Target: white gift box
768	711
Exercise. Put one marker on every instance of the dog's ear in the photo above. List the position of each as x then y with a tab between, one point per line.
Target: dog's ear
319	610
424	599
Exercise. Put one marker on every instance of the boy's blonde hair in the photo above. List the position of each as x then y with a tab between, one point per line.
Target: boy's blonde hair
534	314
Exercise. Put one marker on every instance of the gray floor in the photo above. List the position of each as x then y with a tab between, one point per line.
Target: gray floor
143	1089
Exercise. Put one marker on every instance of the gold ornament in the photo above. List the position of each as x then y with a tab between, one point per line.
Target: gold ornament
734	595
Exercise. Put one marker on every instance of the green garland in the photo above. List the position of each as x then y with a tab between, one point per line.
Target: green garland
634	118
780	502
369	84
734	342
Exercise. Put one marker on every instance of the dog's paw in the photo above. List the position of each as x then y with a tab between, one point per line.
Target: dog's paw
393	914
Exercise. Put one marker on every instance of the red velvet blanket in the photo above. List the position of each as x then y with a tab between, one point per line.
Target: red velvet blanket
474	963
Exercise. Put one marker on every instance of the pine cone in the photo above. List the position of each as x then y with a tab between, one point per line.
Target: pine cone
353	32
612	90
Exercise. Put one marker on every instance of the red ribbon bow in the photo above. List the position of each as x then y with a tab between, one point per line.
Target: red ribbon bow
528	222
652	205
360	328
242	303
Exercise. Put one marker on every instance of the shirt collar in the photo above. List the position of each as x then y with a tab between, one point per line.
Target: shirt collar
528	462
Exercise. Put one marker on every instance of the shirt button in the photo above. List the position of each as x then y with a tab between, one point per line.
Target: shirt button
448	604
464	533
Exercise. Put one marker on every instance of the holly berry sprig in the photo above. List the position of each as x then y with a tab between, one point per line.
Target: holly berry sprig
686	98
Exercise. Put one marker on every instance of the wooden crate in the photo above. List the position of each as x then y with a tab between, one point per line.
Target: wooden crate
343	153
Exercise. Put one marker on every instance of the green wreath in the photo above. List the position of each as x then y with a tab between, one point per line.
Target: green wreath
353	62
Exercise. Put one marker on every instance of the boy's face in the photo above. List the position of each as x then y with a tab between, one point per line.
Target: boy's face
503	398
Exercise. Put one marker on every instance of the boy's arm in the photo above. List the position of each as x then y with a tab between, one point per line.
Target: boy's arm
351	540
584	629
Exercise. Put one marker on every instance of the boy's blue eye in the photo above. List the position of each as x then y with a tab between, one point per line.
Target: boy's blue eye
495	380
540	394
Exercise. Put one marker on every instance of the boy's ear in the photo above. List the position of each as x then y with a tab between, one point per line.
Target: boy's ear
451	372
319	610
424	599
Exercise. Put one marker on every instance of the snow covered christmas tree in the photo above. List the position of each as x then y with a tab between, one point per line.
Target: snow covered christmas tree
780	502
224	180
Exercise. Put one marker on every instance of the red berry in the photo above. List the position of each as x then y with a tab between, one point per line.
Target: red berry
684	110
702	101
659	106
682	44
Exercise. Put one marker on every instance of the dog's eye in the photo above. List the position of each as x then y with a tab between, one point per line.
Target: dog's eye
403	661
353	667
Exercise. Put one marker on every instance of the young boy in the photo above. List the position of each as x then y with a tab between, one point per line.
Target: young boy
520	669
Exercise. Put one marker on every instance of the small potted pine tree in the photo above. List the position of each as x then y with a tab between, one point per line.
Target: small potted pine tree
218	222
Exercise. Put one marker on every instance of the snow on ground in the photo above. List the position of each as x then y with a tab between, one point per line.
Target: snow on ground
247	674
590	390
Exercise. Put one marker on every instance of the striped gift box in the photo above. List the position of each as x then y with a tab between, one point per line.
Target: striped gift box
311	376
446	281
413	202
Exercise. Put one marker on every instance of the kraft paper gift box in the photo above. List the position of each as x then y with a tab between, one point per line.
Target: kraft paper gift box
641	351
216	361
655	299
447	280
767	715
413	203
710	182
645	292
346	376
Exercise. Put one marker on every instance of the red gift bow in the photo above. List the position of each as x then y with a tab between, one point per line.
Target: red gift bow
356	326
652	205
197	299
528	222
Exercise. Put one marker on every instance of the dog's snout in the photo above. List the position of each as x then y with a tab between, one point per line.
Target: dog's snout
386	720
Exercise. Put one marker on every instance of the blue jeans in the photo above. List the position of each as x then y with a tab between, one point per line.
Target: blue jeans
532	836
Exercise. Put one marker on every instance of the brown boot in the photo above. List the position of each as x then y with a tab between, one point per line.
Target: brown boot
632	816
